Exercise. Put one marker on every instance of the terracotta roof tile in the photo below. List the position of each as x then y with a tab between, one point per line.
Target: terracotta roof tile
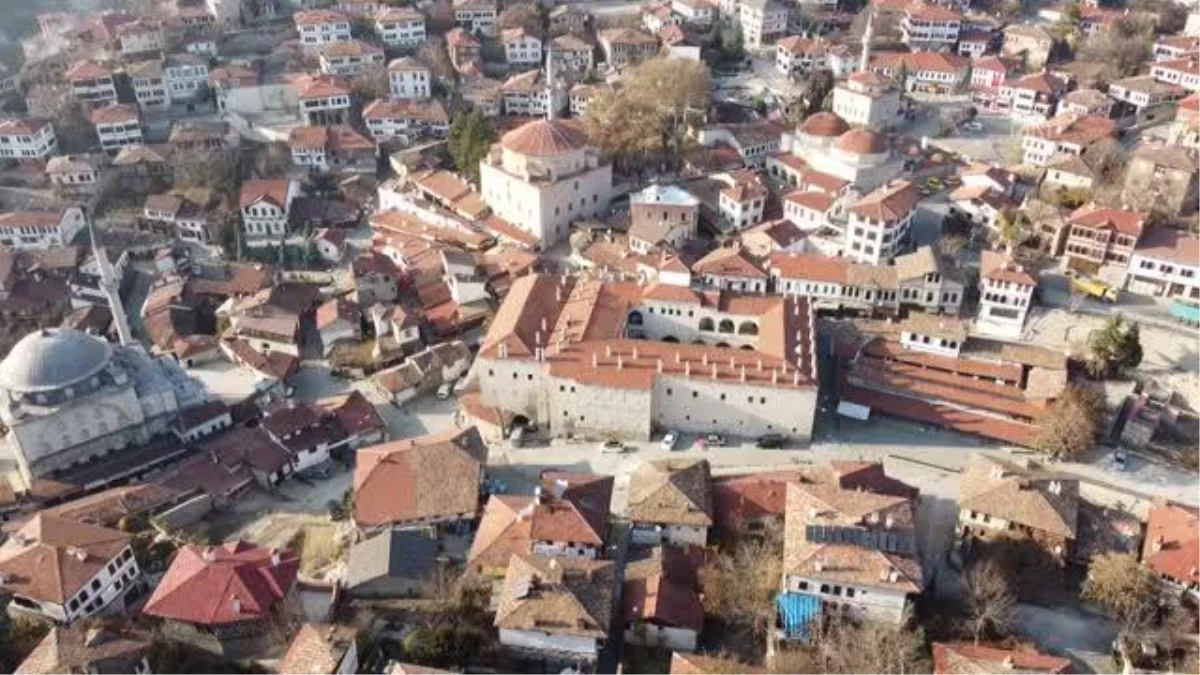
41	561
671	492
1172	543
967	658
567	596
428	477
232	583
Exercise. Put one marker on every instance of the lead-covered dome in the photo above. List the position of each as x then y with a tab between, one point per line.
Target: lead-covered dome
53	358
545	138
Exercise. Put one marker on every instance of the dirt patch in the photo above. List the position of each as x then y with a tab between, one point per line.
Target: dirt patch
321	543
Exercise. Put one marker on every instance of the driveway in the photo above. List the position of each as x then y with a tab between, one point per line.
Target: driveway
1084	638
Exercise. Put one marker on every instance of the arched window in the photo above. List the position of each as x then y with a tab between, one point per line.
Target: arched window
635	318
726	326
748	328
706	324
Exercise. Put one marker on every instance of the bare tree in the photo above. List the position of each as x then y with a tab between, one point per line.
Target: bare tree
843	646
1125	587
990	599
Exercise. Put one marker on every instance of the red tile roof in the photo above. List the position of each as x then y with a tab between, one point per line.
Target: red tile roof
88	70
1124	221
888	203
966	658
315	17
1172	544
274	191
428	477
728	261
22	127
1173	245
216	585
51	557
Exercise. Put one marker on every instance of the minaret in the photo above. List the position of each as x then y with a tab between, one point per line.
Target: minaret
551	113
864	61
110	286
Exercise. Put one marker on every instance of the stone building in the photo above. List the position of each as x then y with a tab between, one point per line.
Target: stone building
580	356
543	176
70	398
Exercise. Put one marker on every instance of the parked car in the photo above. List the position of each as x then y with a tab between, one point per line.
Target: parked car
714	440
612	447
770	441
972	126
670	440
444	391
1120	460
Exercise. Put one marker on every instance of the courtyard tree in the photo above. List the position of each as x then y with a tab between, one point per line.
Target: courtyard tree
1115	348
990	599
842	645
1071	423
649	116
471	137
1123	48
1127	589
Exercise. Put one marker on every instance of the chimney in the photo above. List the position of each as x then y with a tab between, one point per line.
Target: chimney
537	495
660	365
714	371
560	487
595	359
760	365
275	559
774	376
620	362
210	554
889	522
997	472
558	293
608	351
893	576
543	324
1008	662
704	358
635	353
687	368
1158	543
743	373
237	607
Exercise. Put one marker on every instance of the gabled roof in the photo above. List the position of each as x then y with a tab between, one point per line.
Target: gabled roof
430	476
22	127
997	266
828	504
88	70
273	191
406	64
1076	129
671	492
728	261
86	649
567	596
217	585
313	17
889	202
351	48
317	649
1124	221
322	86
573	507
411	555
51	557
1172	544
661	587
1006	490
967	658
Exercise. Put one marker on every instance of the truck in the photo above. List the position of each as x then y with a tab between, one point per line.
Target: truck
1093	288
1186	310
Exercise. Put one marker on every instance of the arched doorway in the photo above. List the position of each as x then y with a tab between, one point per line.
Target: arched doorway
706	324
635	318
726	326
748	328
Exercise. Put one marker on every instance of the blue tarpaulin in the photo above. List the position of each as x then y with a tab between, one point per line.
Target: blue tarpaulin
797	611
